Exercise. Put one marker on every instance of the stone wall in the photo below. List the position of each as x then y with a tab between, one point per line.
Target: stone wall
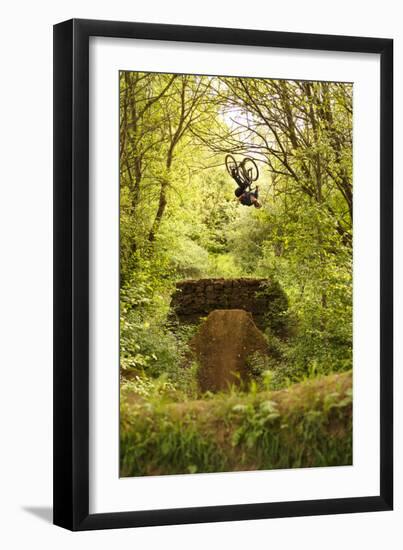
265	300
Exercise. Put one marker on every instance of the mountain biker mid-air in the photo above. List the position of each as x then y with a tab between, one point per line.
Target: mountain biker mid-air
244	173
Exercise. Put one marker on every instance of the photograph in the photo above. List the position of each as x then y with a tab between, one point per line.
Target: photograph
236	279
201	258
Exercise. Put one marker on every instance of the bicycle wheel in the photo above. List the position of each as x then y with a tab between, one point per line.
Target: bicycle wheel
249	169
231	165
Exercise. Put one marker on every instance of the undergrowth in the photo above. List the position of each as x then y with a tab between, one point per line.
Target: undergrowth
306	425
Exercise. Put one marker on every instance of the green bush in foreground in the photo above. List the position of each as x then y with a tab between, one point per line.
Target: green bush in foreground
306	425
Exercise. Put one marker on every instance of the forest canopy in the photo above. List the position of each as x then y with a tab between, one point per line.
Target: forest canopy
178	214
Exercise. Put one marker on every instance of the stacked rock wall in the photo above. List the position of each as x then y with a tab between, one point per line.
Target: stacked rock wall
262	298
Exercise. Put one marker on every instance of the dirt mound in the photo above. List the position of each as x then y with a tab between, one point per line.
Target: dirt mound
222	345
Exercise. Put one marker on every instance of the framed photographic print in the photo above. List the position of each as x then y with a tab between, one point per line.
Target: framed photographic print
223	320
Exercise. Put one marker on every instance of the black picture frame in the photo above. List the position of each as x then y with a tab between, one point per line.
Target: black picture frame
71	274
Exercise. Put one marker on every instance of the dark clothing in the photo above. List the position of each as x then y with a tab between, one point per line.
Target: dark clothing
246	198
242	183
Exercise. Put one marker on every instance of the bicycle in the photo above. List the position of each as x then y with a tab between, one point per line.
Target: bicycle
244	173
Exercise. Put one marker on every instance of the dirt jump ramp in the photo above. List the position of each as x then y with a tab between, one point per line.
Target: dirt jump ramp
222	346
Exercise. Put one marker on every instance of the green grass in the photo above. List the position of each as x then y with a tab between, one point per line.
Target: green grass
306	425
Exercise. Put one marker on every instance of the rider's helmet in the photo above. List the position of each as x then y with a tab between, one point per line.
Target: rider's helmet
238	192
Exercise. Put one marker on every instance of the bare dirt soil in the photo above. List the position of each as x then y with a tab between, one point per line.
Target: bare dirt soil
222	346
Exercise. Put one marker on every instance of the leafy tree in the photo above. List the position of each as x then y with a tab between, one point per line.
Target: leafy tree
179	219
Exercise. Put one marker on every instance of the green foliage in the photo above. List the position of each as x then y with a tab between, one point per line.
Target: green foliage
175	447
147	388
179	219
300	251
151	351
308	427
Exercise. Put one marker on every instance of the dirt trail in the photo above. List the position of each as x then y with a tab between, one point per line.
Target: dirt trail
222	345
